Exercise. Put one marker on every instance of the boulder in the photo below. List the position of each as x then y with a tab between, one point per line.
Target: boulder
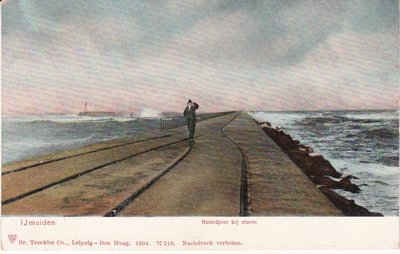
352	177
347	185
314	165
343	184
326	181
311	165
319	165
296	142
348	207
265	124
272	133
285	141
305	148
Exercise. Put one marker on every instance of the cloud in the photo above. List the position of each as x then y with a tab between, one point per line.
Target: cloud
127	55
372	15
350	71
263	34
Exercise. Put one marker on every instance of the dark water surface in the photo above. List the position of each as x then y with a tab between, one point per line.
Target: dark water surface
28	136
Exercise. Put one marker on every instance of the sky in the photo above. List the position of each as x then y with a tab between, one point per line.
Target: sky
126	55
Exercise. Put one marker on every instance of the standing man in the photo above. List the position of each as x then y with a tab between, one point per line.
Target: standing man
190	116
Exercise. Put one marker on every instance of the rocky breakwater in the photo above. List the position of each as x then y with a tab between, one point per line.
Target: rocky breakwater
320	171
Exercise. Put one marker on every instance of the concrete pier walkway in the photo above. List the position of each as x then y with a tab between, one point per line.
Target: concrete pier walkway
207	182
275	185
233	169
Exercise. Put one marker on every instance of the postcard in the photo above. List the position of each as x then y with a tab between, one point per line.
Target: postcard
199	125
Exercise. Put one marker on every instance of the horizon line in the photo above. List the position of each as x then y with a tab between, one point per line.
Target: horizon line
257	110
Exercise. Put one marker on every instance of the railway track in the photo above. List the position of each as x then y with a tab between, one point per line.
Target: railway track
116	209
243	188
85	171
244	201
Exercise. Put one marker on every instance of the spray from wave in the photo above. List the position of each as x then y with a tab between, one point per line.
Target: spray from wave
149	113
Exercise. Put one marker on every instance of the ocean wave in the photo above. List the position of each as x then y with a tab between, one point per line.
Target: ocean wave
65	119
335	120
32	136
374	115
38	144
381	133
379	182
276	119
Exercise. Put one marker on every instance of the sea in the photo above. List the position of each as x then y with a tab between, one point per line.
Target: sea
24	137
364	144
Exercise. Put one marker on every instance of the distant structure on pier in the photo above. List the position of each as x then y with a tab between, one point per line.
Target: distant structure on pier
98	113
85	112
